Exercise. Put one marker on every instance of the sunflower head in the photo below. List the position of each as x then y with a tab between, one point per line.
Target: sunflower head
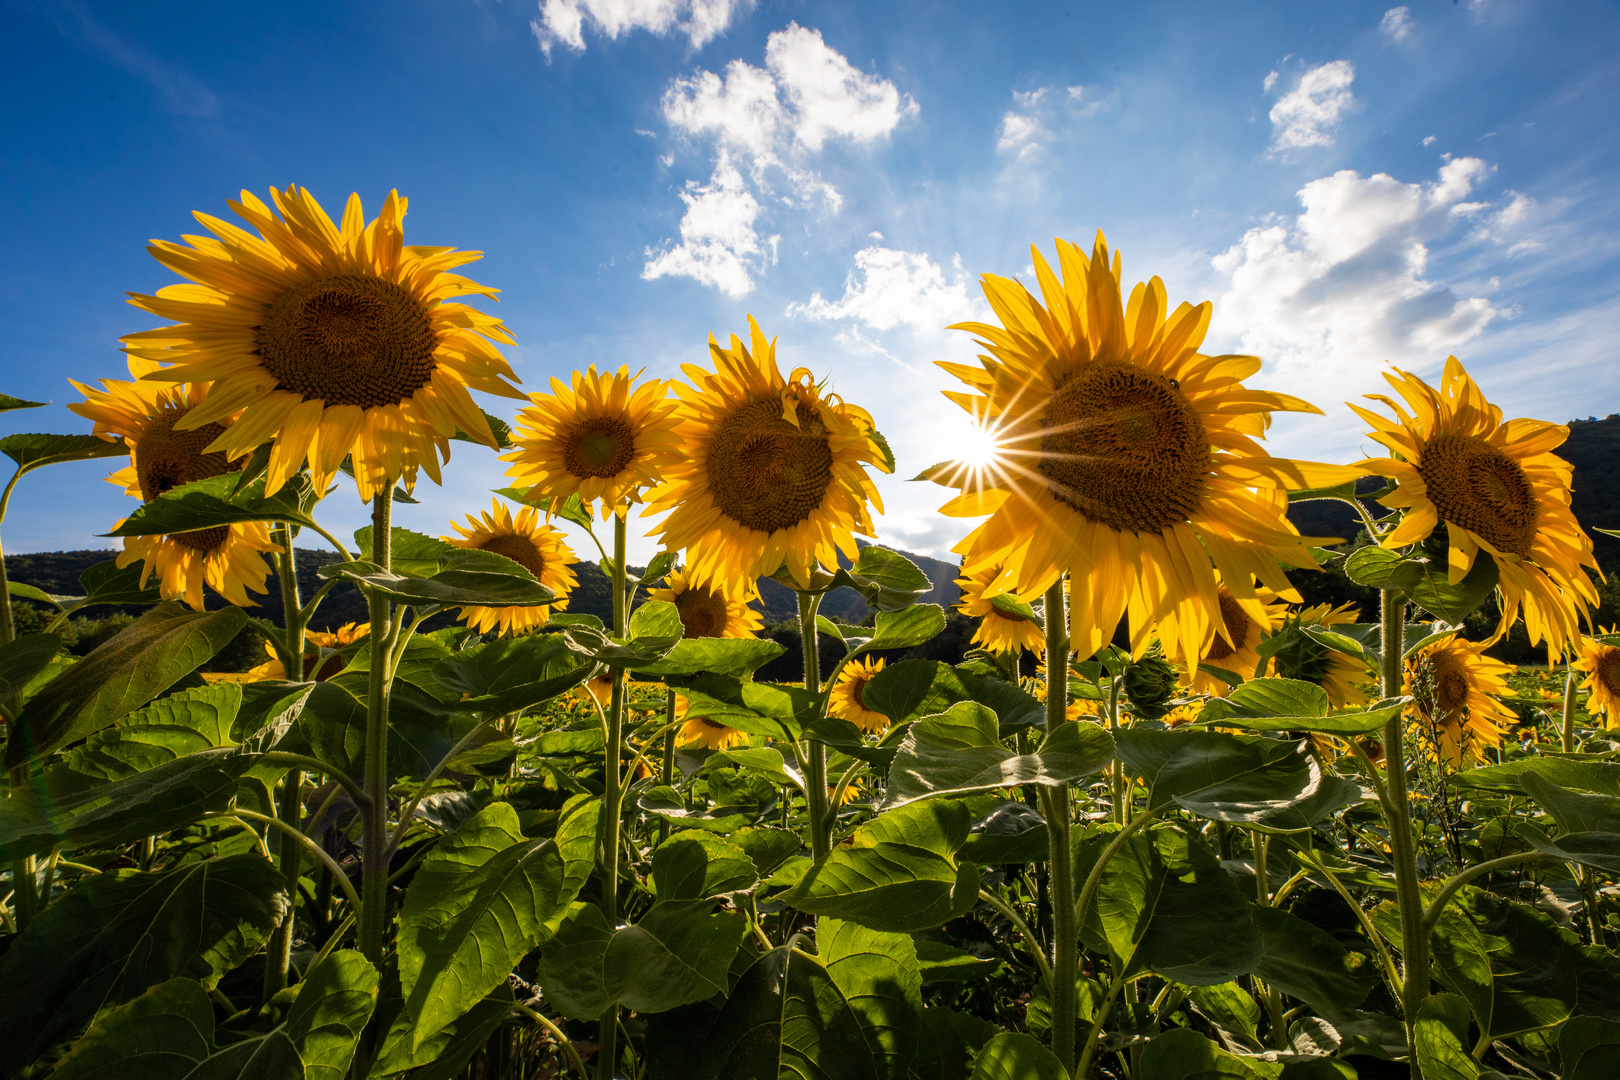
848	698
1300	656
1001	629
598	437
331	341
533	545
705	733
766	471
1235	645
1497	487
1454	689
321	661
1600	660
706	609
1127	458
164	455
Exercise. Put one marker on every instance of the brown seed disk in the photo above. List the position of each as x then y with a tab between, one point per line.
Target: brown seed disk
1477	486
1450	690
1237	624
601	446
1124	447
1608	672
765	473
166	459
520	549
703	614
349	341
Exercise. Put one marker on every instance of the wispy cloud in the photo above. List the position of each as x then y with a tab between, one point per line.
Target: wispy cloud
564	22
1310	113
768	125
181	92
890	288
1397	24
1038	117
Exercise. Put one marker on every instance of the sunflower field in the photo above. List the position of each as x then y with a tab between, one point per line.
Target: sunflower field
1164	820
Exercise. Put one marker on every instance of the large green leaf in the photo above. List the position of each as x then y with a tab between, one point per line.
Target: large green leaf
1589	1048
879	977
143	804
697	865
204	504
1440	1036
677	953
902	629
1292	705
105	583
1518	970
1183	1054
1013	1055
1600	850
24	658
723	656
1307	962
1575	811
113	936
509	674
334	1002
1241	779
1570	772
777	712
949	1042
480	902
916	688
886	580
897	872
960	751
333	722
8	403
408	552
1425	581
465	577
443	1053
1165	905
131	668
654	630
32	451
188	722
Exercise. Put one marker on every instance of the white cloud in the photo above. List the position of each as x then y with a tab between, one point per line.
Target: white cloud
1397	24
888	288
770	121
1333	295
1309	113
719	244
1428	140
565	21
1029	127
1270	80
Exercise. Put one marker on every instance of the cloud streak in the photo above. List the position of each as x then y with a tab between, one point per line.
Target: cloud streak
1310	113
564	22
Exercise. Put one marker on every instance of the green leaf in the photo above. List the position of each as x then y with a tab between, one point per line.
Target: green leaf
1292	705
465	577
1279	697
916	688
1424	581
1230	1006
723	656
184	723
767	761
677	954
768	848
1240	779
1164	904
160	1035
960	751
886	580
106	583
1010	833
897	872
509	674
654	630
1589	1048
777	712
1380	568
333	721
17	588
205	504
32	452
334	1002
661	564
149	803
1441	1039
667	803
443	1053
656	624
1600	850
480	901
76	958
941	963
1580	774
408	552
8	403
123	673
24	658
1183	1054
1575	811
903	629
949	1043
696	865
1013	1055
879	977
1307	962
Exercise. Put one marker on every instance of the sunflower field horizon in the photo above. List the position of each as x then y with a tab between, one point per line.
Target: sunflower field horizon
1214	829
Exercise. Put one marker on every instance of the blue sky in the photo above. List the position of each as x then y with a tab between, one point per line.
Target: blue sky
1352	184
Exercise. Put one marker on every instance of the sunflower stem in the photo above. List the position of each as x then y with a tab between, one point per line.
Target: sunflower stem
1408	891
1569	708
374	852
279	957
815	759
666	775
1055	804
8	628
612	796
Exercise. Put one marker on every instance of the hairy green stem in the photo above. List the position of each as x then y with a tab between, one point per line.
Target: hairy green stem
1408	891
1006	910
1431	915
373	919
1391	973
279	951
613	748
1103	1011
666	775
556	1033
1060	867
815	760
1568	731
301	840
8	629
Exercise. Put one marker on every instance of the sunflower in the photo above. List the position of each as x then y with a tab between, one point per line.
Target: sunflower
535	546
1083	707
599	689
1601	662
1128	458
1304	658
767	471
331	342
227	558
848	698
1497	487
598	438
999	631
325	644
706	610
1453	687
698	731
1235	646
